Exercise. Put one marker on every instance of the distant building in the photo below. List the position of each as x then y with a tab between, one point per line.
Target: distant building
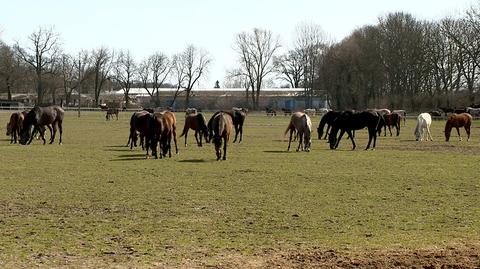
219	98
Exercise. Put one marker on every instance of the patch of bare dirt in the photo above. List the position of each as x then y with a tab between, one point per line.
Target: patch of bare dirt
467	256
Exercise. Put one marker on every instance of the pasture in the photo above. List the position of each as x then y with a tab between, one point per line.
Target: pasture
92	202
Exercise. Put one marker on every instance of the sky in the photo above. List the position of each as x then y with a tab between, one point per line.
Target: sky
147	26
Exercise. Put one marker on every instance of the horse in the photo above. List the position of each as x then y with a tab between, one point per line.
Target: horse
138	124
111	112
392	119
302	125
238	118
348	121
310	111
169	122
222	125
403	115
424	120
50	116
14	126
198	123
458	120
153	135
327	119
270	111
475	112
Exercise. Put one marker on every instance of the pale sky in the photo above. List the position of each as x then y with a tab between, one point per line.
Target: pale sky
147	26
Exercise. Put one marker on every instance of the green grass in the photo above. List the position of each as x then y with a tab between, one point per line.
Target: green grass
92	202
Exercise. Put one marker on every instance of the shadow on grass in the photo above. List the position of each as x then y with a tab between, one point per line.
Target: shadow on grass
130	157
277	151
195	161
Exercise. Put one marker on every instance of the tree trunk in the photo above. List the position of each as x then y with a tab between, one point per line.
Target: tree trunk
9	90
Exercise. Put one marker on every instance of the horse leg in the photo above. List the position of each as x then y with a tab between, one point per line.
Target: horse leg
300	140
236	134
174	132
458	131
240	129
54	131
60	131
290	139
326	132
467	129
225	147
196	138
390	130
429	134
371	135
340	137
186	134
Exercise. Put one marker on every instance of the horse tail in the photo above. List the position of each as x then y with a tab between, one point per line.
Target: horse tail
185	128
290	127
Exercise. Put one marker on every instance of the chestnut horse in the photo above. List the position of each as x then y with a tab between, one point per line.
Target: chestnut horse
222	125
238	117
302	125
169	122
153	136
458	120
15	125
51	116
198	123
392	119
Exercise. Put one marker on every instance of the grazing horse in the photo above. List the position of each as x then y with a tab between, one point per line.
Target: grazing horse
198	123
169	122
111	112
403	115
15	125
302	125
287	111
327	119
154	133
424	120
222	125
458	120
238	117
270	111
349	121
51	116
392	119
139	123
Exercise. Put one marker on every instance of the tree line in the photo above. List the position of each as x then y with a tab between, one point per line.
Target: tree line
401	62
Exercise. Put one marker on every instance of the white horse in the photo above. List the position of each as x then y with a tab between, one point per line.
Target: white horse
424	121
300	124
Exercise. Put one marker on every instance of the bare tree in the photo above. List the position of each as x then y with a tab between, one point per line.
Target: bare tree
125	69
310	44
10	68
81	67
256	51
179	73
102	63
153	72
40	55
192	64
291	68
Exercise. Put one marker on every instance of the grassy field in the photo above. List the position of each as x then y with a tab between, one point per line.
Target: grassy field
92	202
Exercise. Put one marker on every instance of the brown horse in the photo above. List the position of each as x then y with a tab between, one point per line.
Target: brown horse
198	123
169	122
302	125
238	117
15	125
458	120
392	119
154	135
139	123
222	125
111	112
50	116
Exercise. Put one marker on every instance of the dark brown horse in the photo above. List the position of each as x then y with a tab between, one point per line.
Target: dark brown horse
198	123
154	135
222	125
139	124
458	120
111	112
390	120
50	116
349	121
169	122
